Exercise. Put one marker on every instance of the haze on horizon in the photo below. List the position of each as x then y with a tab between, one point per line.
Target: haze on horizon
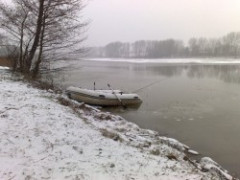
131	20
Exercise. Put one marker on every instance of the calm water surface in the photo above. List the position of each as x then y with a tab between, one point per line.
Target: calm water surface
195	103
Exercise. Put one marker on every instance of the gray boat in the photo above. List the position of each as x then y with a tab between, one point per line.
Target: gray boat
103	97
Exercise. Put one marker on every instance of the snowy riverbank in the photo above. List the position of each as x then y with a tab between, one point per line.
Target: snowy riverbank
43	139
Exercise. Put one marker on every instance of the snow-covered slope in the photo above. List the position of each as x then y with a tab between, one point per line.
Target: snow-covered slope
42	139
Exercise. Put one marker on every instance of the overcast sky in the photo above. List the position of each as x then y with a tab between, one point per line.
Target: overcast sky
131	20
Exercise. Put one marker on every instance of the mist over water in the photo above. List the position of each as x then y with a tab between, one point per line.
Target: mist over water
195	103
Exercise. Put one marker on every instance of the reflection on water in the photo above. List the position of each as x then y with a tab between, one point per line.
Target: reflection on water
197	104
227	73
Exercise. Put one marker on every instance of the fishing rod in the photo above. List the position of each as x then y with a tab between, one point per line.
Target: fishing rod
117	96
148	85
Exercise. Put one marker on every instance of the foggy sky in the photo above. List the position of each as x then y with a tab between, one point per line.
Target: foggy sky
131	20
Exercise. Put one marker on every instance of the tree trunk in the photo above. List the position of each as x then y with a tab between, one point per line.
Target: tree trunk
20	59
36	67
37	35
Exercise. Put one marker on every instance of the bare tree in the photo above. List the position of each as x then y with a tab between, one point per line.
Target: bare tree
43	30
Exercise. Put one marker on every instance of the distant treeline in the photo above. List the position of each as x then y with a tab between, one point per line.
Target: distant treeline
226	46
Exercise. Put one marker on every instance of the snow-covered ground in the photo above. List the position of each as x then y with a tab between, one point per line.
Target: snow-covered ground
48	136
3	68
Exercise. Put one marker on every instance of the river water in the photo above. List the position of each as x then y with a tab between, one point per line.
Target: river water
196	102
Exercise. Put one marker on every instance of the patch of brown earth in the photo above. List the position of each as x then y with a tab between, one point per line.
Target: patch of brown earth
5	62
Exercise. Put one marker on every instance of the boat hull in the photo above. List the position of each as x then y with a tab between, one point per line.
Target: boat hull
101	99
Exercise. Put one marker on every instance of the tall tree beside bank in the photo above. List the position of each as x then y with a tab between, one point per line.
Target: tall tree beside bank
42	31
